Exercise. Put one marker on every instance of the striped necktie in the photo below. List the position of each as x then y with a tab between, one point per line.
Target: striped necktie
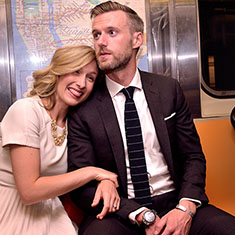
135	149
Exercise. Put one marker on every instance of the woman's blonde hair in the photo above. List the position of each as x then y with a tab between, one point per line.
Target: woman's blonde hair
67	59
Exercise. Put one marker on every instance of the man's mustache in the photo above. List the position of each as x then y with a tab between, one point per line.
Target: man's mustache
103	51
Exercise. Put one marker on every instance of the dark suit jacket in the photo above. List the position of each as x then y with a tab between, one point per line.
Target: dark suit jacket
94	139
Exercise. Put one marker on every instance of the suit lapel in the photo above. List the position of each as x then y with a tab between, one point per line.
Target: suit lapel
150	86
108	115
110	122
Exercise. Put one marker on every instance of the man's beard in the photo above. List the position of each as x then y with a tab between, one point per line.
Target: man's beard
118	62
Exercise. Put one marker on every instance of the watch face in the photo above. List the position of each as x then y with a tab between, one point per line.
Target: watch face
150	216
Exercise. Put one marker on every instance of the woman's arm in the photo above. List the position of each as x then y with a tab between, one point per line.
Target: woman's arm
33	188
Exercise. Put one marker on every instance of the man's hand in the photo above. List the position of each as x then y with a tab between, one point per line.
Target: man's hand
106	190
102	174
175	222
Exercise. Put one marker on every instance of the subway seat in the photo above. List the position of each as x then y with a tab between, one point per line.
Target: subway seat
218	143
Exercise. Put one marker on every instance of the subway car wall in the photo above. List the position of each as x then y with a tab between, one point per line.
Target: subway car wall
7	88
217	37
189	40
193	42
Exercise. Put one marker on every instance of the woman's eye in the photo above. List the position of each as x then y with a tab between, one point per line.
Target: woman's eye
90	78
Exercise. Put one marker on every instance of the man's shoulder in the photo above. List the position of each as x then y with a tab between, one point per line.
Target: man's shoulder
87	104
158	79
93	100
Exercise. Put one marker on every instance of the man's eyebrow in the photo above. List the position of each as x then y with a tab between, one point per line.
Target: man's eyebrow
107	28
94	30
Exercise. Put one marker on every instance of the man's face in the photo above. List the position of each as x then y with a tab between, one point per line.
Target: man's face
112	40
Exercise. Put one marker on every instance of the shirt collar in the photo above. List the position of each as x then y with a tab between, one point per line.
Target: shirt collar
114	87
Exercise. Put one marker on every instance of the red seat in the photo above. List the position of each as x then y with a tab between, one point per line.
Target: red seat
74	213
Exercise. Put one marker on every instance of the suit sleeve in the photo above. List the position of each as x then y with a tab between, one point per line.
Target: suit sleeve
81	153
188	157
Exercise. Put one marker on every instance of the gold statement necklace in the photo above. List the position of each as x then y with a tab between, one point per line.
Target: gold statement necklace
57	139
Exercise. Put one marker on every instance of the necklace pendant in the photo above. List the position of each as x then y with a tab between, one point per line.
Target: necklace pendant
57	139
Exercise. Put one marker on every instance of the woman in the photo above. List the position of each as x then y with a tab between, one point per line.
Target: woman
33	162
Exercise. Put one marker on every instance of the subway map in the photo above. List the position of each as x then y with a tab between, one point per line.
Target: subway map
42	26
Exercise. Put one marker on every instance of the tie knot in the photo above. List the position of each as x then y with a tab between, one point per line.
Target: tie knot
128	92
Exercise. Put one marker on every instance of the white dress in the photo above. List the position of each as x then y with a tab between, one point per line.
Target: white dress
28	123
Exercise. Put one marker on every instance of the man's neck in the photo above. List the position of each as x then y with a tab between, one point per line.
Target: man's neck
123	76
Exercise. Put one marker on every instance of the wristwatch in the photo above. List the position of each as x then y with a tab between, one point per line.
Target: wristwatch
149	217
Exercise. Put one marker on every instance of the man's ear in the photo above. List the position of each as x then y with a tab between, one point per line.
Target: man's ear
137	40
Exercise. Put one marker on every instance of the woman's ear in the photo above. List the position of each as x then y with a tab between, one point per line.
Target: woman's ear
137	40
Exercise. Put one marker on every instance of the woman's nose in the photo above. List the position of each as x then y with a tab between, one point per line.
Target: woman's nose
81	82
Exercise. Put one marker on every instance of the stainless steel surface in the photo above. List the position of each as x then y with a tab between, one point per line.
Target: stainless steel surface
7	90
173	45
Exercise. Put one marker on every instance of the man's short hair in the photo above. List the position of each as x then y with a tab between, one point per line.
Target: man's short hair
135	23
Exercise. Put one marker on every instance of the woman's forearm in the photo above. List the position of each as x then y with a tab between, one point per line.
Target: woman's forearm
51	186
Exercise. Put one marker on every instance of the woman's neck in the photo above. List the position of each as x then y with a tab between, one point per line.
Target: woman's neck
57	113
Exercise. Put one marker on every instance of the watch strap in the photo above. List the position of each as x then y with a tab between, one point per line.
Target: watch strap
182	208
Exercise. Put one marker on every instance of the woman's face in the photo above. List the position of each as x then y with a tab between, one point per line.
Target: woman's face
74	88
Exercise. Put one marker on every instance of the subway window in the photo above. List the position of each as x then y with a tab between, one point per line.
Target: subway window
217	40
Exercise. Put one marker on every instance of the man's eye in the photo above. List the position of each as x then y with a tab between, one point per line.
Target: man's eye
112	32
96	35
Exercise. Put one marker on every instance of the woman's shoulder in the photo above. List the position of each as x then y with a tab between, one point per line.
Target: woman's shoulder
27	104
29	108
23	122
27	101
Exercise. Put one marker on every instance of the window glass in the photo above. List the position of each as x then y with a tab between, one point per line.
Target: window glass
217	36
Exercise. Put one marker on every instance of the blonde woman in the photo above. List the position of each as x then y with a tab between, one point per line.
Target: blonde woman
33	161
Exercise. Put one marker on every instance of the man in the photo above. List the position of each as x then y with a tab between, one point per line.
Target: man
171	155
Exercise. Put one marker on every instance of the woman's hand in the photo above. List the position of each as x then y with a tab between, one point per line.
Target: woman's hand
106	175
106	190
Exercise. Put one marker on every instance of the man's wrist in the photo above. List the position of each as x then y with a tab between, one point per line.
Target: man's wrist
184	209
139	217
195	201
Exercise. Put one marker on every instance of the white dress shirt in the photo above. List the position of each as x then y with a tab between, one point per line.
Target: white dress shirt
159	176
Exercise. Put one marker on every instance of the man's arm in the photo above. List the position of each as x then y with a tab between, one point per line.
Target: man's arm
192	161
82	152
